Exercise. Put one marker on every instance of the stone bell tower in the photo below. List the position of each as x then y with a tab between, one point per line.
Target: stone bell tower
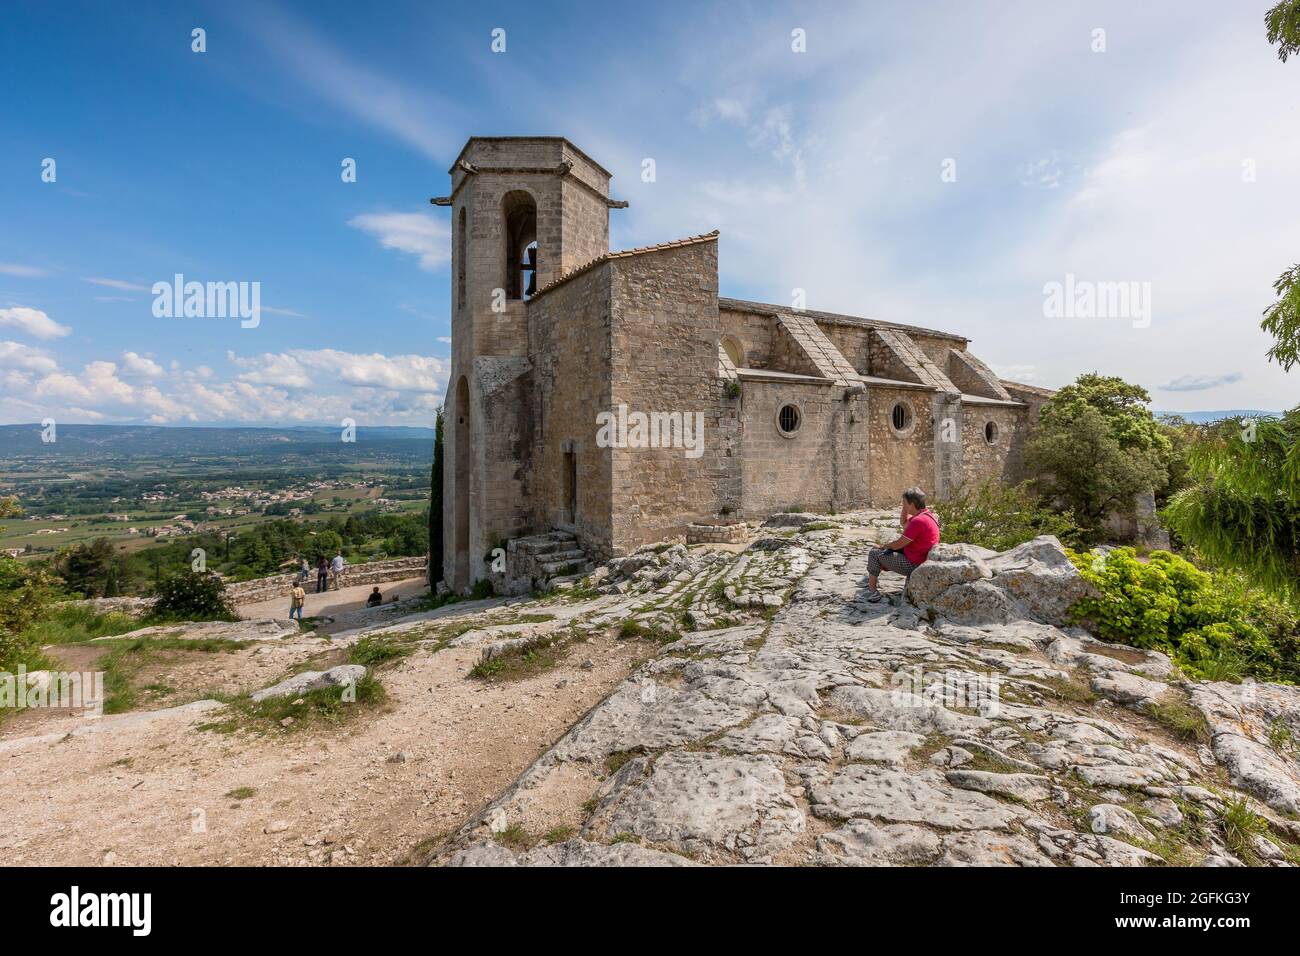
524	211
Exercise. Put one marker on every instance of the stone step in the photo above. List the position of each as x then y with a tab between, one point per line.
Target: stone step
560	556
576	567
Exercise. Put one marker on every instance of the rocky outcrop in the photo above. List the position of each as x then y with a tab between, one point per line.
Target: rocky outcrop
968	585
263	629
829	730
1255	732
307	681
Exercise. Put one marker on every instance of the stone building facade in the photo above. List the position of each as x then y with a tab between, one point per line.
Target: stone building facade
553	334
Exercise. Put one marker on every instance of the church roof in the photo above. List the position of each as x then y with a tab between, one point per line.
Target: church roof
623	254
833	318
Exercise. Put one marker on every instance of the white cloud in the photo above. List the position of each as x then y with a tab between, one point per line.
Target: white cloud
15	355
21	271
121	284
140	365
1200	383
34	322
414	233
306	385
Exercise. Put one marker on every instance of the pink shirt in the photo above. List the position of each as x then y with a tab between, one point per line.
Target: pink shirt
924	532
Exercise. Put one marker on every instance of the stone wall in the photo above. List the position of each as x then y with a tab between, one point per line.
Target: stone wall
569	331
822	466
665	333
1000	459
375	572
900	461
753	331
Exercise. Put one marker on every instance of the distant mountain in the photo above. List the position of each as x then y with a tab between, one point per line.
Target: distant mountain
1203	418
131	441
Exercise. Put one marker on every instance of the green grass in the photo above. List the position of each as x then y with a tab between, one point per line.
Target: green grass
1180	718
374	651
515	837
819	526
559	834
615	761
632	628
519	663
311	710
241	793
1240	826
77	625
126	658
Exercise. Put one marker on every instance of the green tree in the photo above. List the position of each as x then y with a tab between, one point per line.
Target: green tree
88	568
191	596
1097	447
1076	462
1283	25
1243	511
435	505
1282	320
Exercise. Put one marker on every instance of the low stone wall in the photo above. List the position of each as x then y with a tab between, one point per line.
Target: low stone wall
732	533
376	572
134	606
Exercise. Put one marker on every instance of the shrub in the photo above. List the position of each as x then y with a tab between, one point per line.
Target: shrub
25	594
1213	626
191	596
1000	516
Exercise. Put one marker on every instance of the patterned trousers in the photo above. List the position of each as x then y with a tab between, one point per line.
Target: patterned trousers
896	561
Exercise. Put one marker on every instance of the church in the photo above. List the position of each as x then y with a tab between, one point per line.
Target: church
730	409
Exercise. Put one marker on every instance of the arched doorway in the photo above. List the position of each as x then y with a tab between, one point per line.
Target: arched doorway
460	487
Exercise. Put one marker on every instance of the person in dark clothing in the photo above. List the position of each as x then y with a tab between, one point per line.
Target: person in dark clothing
375	599
322	575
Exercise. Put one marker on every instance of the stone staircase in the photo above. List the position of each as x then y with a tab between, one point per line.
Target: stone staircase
542	561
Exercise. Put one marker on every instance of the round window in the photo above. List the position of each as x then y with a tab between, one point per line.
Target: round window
991	432
901	417
787	420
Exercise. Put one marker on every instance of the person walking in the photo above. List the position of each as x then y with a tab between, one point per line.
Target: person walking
297	598
336	570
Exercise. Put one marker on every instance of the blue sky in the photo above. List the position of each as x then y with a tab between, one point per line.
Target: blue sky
822	169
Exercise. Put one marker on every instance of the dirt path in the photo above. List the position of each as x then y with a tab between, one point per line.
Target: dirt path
378	789
346	600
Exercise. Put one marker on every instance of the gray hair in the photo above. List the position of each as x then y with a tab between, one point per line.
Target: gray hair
915	497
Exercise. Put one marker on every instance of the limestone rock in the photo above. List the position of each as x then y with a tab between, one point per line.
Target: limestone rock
573	852
697	801
864	790
863	843
338	676
1241	717
1022	786
1109	818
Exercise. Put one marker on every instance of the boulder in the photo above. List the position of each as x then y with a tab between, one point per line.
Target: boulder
312	680
1034	581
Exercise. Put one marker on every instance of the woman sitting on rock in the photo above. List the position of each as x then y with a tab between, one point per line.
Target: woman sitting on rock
904	555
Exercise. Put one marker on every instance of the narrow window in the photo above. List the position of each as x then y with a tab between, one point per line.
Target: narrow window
460	258
522	254
991	432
